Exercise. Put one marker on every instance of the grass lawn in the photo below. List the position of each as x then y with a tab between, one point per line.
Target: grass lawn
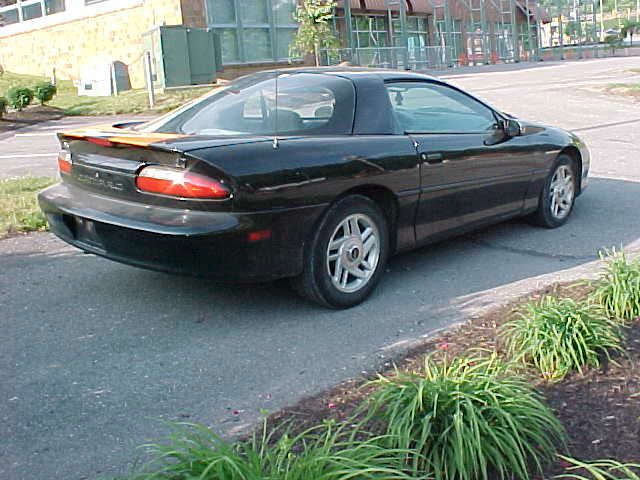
626	89
132	101
19	210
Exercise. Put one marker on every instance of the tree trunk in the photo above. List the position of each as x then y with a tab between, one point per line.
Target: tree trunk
316	52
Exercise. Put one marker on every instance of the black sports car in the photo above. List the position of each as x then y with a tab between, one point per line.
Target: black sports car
315	174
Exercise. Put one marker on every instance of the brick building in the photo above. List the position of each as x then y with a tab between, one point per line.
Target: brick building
36	35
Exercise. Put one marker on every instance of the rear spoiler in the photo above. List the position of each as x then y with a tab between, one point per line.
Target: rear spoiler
114	135
126	125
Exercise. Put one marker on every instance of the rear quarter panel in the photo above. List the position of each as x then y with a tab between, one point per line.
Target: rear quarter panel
312	171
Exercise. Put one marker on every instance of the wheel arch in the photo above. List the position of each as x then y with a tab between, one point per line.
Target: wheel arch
573	152
386	200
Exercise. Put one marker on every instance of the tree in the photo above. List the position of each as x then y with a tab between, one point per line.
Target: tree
314	28
629	27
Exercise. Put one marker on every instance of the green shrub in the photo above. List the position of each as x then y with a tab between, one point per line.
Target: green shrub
559	335
466	419
321	453
45	91
3	106
19	97
600	470
618	289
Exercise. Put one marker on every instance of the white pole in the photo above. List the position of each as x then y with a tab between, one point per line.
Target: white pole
148	75
114	83
601	22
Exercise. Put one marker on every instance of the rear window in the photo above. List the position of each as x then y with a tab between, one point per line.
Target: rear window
305	103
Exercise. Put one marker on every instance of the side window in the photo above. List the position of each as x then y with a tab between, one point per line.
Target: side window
422	107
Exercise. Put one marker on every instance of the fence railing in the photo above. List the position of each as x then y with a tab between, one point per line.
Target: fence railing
415	58
572	52
433	58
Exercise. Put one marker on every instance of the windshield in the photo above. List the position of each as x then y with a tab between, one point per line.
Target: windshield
306	103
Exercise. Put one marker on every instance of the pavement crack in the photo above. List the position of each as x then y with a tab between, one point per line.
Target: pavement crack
527	251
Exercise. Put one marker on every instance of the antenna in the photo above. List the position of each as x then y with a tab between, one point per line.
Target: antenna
275	122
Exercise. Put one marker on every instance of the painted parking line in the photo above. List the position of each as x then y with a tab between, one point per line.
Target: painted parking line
29	155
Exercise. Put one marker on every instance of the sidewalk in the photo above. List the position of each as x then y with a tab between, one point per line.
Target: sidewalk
519	66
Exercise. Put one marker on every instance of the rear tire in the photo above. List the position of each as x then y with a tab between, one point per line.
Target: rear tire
558	195
347	254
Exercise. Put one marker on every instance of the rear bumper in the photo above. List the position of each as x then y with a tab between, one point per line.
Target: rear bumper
212	244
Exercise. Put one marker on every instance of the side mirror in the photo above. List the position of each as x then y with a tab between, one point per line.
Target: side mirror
512	128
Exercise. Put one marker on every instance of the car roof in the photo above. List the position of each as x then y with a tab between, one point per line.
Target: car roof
355	73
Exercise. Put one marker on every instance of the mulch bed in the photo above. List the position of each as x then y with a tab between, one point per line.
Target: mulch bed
600	409
30	116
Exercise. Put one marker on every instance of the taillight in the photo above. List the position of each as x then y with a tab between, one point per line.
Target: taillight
180	183
64	161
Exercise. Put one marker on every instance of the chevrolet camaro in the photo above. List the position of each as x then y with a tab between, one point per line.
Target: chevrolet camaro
316	174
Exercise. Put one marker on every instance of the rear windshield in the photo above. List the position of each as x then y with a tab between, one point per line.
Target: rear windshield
306	103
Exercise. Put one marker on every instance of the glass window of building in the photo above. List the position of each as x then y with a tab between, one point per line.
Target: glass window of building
31	11
370	31
253	31
8	12
453	39
417	32
15	11
53	6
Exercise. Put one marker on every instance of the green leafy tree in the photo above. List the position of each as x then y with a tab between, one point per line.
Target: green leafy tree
629	27
315	31
3	106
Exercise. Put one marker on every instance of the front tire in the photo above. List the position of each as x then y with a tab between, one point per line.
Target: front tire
558	195
347	254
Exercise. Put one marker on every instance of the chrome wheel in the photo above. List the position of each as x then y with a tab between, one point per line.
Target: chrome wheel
353	253
561	192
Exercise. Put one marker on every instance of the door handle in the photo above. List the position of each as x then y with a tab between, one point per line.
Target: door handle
432	158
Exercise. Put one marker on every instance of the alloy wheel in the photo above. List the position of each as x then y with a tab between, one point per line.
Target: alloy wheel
561	192
353	253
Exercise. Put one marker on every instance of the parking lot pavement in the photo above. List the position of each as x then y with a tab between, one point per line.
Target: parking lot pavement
33	150
571	96
94	354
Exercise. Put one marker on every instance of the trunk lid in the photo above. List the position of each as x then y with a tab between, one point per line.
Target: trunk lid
106	160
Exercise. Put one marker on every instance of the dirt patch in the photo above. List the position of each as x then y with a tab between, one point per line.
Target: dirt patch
600	409
30	116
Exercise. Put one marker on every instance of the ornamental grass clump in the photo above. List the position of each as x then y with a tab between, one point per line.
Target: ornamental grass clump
599	470
326	452
618	289
466	419
558	335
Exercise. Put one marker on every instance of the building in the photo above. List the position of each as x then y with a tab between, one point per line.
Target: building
37	35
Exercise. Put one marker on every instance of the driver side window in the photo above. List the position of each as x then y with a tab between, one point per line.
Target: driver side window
422	107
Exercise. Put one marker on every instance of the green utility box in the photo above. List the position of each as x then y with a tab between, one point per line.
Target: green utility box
182	56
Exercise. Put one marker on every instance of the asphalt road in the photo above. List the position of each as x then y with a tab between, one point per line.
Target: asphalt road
94	354
33	150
